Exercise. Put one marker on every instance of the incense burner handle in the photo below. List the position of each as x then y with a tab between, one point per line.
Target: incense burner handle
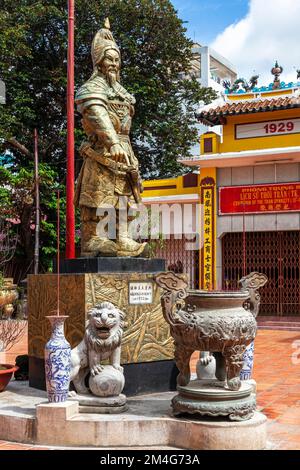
252	283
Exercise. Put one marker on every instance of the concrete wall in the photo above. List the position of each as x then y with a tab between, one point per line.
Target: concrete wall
260	174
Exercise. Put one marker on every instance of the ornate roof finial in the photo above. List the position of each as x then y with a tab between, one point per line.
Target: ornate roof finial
276	71
253	81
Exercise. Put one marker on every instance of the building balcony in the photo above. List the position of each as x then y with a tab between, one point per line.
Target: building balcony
244	158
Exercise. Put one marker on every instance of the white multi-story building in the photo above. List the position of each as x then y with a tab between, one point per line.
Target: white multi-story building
211	70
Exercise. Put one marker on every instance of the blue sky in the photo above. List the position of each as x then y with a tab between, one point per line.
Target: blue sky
251	34
207	18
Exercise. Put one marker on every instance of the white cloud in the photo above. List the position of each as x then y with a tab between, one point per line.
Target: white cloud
269	32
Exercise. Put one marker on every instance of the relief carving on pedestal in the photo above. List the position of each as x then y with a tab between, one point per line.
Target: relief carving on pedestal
42	300
146	334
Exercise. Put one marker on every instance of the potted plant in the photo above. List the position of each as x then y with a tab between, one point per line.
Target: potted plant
6	372
11	331
8	290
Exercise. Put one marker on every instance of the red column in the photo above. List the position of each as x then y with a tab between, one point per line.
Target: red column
37	205
70	212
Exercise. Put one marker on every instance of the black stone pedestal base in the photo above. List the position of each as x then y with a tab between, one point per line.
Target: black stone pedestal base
144	377
110	265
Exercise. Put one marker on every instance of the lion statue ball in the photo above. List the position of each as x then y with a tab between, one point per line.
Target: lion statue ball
109	383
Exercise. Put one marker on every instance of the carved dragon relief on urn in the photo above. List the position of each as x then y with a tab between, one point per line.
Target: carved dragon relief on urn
196	325
251	283
109	181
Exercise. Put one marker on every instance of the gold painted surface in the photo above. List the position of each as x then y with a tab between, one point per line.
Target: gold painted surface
146	335
110	170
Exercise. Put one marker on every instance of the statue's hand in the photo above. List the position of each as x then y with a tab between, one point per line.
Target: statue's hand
83	148
118	153
118	367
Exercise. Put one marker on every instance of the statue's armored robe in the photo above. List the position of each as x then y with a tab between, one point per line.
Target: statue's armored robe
107	114
106	118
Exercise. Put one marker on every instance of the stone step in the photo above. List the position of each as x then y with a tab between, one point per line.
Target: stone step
279	327
285	323
147	424
277	319
280	323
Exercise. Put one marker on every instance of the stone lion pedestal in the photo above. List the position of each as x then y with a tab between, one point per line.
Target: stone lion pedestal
147	347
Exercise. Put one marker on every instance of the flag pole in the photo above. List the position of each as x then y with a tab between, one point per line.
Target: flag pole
58	251
37	204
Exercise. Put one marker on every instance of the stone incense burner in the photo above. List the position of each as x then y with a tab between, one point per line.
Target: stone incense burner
225	328
207	321
221	323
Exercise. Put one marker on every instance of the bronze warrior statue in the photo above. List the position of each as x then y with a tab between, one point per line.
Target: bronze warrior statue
110	169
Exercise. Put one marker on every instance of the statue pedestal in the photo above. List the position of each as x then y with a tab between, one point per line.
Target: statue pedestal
110	265
102	405
212	398
129	283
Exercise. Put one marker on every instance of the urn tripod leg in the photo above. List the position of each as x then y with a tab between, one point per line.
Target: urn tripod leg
234	364
182	358
220	366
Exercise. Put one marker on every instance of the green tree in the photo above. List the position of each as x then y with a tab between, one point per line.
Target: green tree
155	56
17	208
156	59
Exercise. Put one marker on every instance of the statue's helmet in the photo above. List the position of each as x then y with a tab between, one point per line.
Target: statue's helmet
103	41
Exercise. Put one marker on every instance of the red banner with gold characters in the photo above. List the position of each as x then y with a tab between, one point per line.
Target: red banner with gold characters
256	199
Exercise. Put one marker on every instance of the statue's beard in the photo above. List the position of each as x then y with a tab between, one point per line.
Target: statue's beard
112	78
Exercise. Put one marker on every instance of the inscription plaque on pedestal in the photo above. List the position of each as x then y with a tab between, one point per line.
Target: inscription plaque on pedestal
140	293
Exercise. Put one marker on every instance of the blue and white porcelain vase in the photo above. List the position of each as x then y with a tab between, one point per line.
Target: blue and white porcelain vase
246	372
57	361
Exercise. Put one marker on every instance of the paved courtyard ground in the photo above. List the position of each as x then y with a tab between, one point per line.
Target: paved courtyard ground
277	372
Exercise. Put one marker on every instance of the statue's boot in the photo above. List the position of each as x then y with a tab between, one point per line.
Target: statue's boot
91	244
128	247
98	246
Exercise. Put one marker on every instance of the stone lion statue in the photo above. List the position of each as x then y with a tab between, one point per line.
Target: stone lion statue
101	342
